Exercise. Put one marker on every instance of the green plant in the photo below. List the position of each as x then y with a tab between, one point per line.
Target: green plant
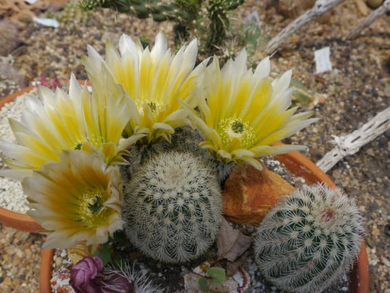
301	93
248	36
214	275
188	15
217	13
73	15
309	239
173	207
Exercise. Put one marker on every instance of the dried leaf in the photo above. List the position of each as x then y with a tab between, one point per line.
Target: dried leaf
231	243
232	267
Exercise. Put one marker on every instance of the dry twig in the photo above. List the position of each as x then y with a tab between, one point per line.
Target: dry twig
369	20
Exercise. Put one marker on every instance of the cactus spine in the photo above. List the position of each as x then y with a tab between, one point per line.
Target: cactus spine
309	239
173	207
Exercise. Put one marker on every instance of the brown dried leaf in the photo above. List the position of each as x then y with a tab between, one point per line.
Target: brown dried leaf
231	243
232	267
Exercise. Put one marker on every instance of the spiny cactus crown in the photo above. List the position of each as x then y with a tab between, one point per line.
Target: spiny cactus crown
309	239
173	207
185	139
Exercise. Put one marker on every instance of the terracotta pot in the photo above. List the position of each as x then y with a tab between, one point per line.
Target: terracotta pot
297	164
8	218
15	220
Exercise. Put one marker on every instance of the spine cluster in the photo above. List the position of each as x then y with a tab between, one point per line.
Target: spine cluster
309	239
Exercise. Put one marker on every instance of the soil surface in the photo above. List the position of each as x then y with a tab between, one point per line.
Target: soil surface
351	94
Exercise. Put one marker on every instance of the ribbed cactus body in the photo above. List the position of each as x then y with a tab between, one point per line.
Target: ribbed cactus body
173	207
309	239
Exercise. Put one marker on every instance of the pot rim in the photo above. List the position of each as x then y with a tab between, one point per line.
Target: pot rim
300	164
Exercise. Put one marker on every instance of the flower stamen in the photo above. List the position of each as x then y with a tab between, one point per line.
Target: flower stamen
234	128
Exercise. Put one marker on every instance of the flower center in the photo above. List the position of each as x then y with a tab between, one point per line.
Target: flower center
95	205
94	140
152	106
233	129
155	107
237	127
92	211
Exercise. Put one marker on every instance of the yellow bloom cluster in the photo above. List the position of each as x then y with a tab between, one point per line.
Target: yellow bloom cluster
69	145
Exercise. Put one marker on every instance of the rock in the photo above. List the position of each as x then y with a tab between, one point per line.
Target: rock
375	232
249	194
9	38
374	4
10	73
293	8
22	17
387	91
386	261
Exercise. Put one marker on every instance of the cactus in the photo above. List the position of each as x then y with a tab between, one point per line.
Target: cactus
188	139
309	239
186	14
73	15
217	14
185	139
173	207
157	9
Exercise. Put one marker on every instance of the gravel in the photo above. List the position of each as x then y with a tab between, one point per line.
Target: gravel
11	193
20	256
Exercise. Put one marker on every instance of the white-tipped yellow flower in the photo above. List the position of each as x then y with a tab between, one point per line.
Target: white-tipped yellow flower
242	112
155	80
77	199
58	121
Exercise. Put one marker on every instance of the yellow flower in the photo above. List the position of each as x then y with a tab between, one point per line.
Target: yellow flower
242	112
155	80
57	121
77	199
